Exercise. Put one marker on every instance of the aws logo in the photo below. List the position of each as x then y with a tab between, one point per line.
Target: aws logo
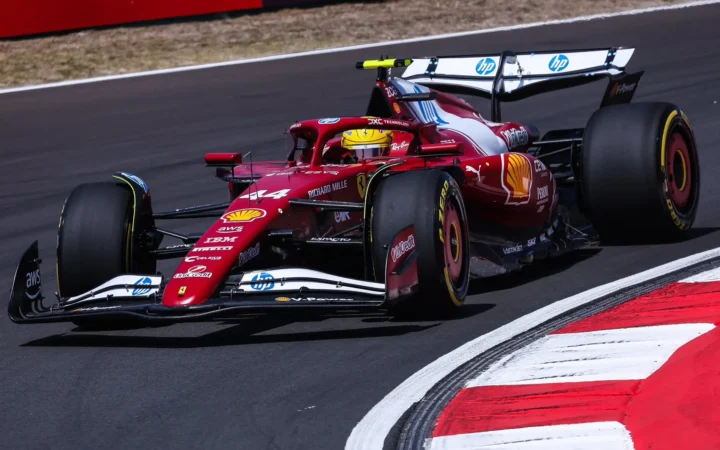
516	178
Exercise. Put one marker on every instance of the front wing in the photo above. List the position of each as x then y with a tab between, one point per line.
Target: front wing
140	296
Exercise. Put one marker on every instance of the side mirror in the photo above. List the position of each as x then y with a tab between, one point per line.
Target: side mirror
223	159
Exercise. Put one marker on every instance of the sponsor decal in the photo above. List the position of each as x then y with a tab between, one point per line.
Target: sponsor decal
262	282
312	299
361	184
330	239
249	254
220	239
448	141
141	286
558	63
402	247
532	242
135	179
328	188
202	258
231	229
96	308
621	88
441	209
32	284
395	122
182	290
194	272
485	66
475	171
275	174
516	178
329	121
307	172
514	249
542	192
263	194
539	166
223	248
374	122
243	215
180	246
396	107
390	91
395	147
515	138
342	216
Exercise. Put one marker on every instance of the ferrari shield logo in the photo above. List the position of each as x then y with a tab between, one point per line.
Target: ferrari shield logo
516	178
361	184
243	215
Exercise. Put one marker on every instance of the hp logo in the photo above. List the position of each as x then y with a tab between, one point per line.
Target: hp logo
486	66
263	282
558	63
140	290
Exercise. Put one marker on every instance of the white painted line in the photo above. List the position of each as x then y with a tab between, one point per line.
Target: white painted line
620	354
359	47
370	432
587	436
705	277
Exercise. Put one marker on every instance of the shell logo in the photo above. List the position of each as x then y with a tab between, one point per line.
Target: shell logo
516	178
243	215
282	299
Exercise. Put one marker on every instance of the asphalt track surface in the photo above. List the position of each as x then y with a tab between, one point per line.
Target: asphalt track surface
277	383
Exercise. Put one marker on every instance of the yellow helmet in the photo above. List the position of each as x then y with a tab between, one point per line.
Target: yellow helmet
370	142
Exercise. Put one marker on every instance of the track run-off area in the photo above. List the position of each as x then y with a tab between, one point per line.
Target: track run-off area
284	382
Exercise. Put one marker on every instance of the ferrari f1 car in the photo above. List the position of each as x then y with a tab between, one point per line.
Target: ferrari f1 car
454	196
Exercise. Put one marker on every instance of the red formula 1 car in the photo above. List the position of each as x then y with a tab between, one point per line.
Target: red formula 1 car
452	197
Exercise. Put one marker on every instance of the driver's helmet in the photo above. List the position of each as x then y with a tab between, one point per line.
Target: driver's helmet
366	143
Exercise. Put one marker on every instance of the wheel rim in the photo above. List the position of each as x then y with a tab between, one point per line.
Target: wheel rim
679	172
453	243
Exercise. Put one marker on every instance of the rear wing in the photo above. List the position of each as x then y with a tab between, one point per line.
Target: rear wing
512	76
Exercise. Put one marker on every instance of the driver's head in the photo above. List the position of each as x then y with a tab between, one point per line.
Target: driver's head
367	143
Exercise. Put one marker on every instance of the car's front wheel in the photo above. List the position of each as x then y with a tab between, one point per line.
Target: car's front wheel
431	202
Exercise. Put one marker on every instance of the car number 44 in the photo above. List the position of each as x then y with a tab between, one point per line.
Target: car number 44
263	194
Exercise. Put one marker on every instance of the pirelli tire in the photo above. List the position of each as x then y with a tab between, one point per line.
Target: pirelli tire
640	173
430	201
95	238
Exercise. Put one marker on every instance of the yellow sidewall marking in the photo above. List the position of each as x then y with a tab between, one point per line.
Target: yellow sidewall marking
451	291
684	166
664	139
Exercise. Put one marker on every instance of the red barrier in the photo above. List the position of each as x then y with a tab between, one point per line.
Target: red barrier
27	17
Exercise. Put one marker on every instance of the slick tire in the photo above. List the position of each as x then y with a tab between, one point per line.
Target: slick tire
640	173
93	243
431	201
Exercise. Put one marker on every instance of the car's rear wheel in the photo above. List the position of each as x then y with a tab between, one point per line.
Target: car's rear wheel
430	201
640	173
